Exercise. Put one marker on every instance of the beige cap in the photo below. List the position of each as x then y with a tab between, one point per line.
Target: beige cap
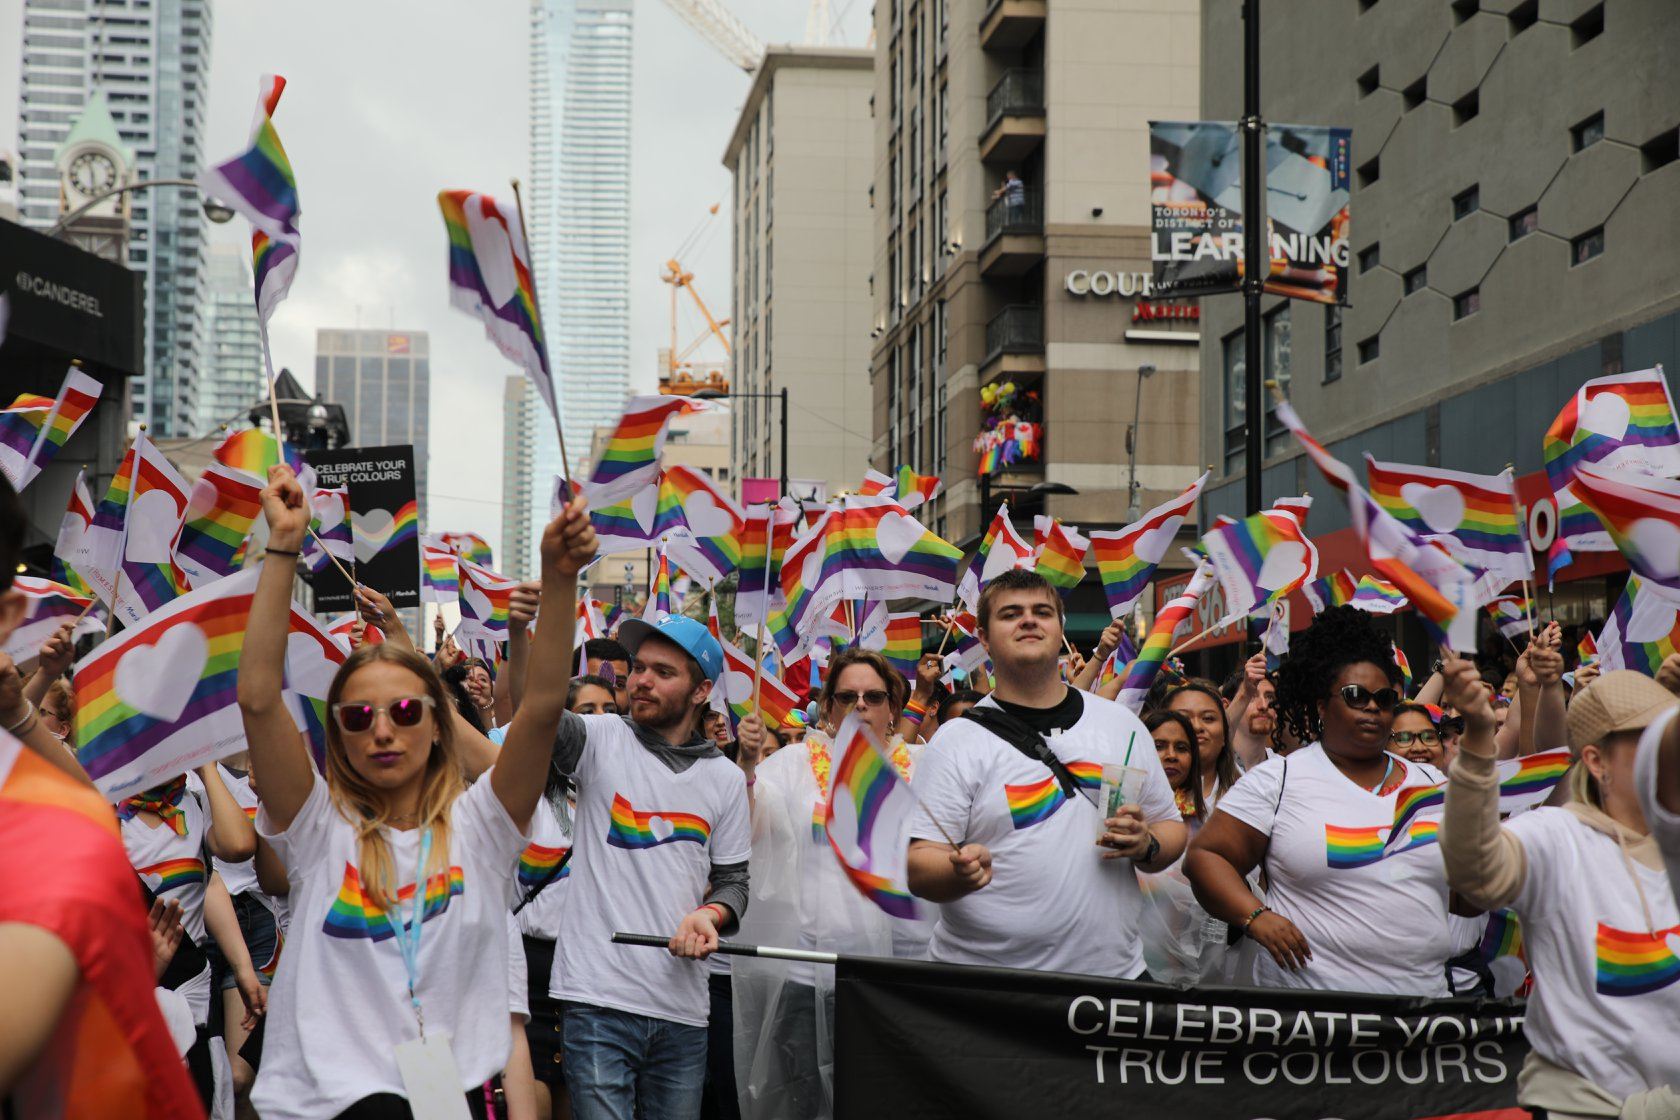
1622	700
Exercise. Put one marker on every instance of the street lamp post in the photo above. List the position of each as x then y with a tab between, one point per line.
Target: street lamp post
1134	508
215	211
781	395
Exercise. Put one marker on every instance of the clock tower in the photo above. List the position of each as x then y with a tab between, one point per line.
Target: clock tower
93	160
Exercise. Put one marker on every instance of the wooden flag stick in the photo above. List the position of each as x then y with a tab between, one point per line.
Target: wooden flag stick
322	545
536	309
1528	610
949	626
1188	642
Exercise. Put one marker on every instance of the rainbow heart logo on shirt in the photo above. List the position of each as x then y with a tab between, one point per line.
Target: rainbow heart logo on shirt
635	829
355	915
1035	802
173	875
1633	963
1346	848
537	864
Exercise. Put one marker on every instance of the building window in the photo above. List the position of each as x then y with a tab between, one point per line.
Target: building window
895	402
1236	403
1415	94
1464	9
1332	342
1588	132
1370	82
1660	151
1276	332
1466	108
1467	303
1370	172
1524	16
1587	26
1370	349
1587	246
1417	279
1524	222
1369	257
1466	202
939	433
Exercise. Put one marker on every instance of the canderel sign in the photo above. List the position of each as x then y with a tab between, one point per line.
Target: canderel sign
1088	282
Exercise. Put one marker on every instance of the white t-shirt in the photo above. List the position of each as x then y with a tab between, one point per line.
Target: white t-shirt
1606	1000
1053	903
171	865
519	992
1373	924
239	878
339	1005
550	841
1665	826
645	841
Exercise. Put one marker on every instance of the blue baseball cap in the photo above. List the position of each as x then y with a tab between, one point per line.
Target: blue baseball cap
691	636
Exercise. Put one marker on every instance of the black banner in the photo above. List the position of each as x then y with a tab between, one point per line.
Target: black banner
72	301
385	517
924	1040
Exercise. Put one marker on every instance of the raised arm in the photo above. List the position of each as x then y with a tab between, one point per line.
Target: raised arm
521	770
523	605
18	717
56	654
277	749
1547	726
232	836
1485	864
1250	749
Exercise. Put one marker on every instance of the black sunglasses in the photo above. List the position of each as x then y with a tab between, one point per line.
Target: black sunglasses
1358	696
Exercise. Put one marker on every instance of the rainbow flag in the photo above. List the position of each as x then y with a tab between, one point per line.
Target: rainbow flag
1001	549
1586	650
161	695
589	624
1622	422
254	451
1141	673
915	489
776	701
485	599
1334	590
1405	668
903	642
1259	560
1297	508
1642	515
1061	558
34	429
155	507
1503	936
630	459
78	515
714	523
1643	629
1377	596
865	548
1126	558
273	263
47	606
659	593
98	554
223	506
867	818
1478	515
874	482
469	546
1511	614
638	522
440	582
1527	781
766	533
258	182
332	532
490	278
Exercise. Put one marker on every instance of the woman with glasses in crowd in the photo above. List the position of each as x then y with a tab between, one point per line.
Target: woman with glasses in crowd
1316	821
784	1013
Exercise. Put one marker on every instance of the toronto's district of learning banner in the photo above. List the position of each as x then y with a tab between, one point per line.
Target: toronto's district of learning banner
924	1040
1195	192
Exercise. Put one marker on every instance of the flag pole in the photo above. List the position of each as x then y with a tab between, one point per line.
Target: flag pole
949	626
1188	642
764	607
273	394
525	236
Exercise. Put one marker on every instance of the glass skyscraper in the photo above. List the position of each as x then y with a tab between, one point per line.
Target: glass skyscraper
578	213
384	381
152	62
235	378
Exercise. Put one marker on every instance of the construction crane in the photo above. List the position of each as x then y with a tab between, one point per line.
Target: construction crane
720	27
677	373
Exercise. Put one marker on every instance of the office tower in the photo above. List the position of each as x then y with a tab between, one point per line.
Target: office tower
384	381
235	376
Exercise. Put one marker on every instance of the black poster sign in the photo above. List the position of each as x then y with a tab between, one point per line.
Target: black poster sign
385	517
924	1040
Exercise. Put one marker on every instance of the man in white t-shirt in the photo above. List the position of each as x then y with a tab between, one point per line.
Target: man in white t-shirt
661	841
1042	880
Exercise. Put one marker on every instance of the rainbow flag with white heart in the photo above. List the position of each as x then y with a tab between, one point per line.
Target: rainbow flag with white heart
1642	515
486	599
1126	558
34	429
1477	515
1259	560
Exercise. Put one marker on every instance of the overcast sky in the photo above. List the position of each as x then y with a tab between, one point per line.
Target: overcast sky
389	101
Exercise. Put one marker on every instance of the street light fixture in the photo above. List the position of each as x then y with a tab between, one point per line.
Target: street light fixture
1134	507
217	212
780	394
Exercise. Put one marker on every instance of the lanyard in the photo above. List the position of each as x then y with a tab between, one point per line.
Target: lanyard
408	932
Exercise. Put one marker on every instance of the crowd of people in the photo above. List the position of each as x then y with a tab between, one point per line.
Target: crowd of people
429	911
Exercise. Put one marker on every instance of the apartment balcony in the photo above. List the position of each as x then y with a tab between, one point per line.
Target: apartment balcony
1014	236
1014	343
1014	117
1011	24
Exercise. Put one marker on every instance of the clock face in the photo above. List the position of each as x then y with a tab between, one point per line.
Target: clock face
92	173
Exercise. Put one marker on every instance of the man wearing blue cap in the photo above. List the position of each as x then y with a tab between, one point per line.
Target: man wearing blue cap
661	841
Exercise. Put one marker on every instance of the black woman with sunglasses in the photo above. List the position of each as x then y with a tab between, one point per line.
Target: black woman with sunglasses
1316	821
401	875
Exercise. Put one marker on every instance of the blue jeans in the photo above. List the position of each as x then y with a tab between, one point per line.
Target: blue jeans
620	1066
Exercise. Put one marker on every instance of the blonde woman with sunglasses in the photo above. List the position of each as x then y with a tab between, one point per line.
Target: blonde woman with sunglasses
401	876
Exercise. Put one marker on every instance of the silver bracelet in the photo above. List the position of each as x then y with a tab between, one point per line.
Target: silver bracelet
14	728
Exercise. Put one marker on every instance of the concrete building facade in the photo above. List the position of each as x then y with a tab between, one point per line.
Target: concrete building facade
802	157
1512	234
977	284
384	381
151	62
235	374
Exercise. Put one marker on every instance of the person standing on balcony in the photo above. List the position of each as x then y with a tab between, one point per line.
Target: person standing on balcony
1014	195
